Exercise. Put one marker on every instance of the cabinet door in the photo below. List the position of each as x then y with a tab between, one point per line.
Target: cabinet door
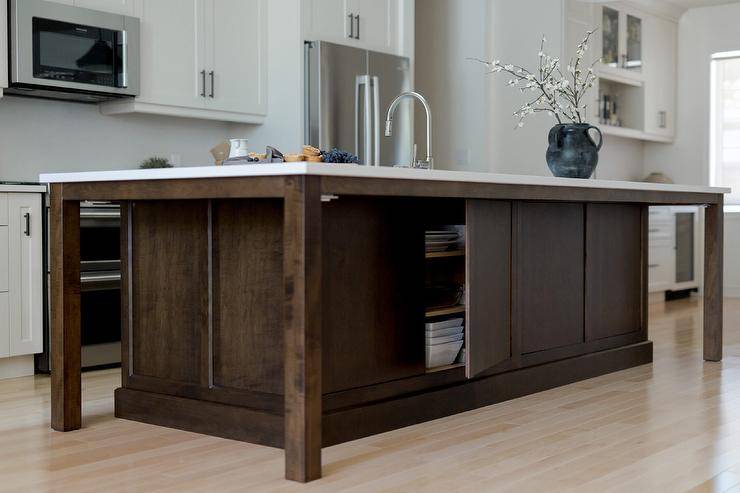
123	7
4	325
3	46
237	56
331	20
488	291
26	273
548	281
613	270
172	61
375	27
661	41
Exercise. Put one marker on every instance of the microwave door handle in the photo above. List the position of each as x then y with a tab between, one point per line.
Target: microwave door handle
376	118
124	59
368	124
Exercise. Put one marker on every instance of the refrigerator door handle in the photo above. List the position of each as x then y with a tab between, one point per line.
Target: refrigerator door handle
375	82
360	84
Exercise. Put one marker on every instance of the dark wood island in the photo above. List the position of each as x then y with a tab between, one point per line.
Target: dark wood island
285	304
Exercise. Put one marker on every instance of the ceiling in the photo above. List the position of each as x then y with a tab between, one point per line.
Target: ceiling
690	4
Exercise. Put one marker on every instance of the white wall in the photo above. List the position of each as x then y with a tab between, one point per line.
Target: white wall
702	32
473	128
43	136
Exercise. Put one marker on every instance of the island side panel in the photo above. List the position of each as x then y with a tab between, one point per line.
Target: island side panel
66	394
713	265
247	293
302	269
613	290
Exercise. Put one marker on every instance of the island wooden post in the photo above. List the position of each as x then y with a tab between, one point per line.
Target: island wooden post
302	284
66	394
714	218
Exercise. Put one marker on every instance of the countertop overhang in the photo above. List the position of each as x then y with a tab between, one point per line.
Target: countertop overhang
355	171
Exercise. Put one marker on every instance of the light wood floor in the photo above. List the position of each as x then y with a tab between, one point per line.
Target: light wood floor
671	426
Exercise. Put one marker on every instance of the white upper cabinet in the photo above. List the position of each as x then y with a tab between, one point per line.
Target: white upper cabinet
123	7
3	46
377	25
622	42
173	64
207	61
236	76
661	41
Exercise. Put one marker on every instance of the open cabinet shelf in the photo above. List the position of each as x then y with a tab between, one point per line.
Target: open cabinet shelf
446	368
440	312
448	254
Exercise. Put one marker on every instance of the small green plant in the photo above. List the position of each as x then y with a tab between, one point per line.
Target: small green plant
155	162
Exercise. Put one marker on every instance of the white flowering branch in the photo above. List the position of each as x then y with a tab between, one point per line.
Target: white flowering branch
558	95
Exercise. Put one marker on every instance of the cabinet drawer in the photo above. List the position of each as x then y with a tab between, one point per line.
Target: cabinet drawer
3	209
4	266
4	325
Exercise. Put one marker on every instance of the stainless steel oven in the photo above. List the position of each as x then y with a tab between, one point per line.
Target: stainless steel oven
64	52
100	288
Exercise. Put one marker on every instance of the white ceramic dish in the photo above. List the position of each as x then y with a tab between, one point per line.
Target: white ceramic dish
436	340
444	324
442	354
444	332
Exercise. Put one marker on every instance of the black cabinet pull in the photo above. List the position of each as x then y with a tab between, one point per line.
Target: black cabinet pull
351	26
357	18
203	79
213	82
27	218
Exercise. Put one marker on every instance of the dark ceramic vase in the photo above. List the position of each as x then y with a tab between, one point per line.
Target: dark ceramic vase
572	152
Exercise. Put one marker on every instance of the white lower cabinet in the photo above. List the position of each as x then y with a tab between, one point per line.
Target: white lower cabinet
21	275
209	61
674	253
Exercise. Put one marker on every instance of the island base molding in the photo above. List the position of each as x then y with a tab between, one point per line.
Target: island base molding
346	424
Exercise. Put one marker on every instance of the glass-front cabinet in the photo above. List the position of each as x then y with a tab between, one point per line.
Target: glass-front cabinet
621	40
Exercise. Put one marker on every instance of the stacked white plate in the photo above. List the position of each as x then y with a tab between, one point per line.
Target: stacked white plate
443	341
441	240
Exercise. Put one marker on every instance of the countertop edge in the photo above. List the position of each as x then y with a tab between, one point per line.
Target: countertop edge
353	171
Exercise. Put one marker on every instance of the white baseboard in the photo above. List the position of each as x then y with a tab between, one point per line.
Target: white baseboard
19	366
732	291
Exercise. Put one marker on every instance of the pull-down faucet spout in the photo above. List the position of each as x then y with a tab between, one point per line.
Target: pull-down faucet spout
428	163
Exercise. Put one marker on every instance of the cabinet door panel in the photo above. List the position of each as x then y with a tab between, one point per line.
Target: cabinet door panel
237	56
26	273
613	270
373	285
123	7
173	58
328	20
376	23
4	260
4	325
488	317
549	260
661	41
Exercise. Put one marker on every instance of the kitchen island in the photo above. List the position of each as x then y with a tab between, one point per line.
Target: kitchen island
285	304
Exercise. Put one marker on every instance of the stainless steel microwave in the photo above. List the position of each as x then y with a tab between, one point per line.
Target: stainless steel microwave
63	52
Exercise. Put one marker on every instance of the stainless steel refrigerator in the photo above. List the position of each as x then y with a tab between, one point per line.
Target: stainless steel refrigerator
348	91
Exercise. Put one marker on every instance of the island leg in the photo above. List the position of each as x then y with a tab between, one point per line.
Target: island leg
713	265
302	282
66	393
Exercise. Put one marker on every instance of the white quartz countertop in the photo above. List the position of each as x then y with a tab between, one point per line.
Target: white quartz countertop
349	170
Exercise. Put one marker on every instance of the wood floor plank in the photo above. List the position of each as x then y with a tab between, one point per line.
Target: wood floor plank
670	426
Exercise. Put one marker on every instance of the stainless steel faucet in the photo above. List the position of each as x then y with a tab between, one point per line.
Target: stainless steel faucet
428	163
